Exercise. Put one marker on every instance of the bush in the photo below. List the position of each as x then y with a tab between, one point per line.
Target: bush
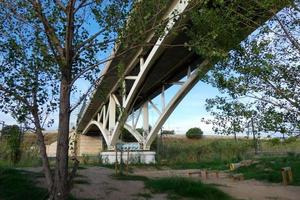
168	132
274	141
290	140
194	133
13	137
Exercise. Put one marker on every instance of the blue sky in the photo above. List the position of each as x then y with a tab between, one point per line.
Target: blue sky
191	109
188	113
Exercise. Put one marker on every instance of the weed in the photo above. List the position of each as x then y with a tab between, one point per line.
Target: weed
16	184
145	195
130	177
186	188
269	169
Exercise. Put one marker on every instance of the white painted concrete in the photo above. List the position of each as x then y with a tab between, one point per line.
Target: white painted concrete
145	157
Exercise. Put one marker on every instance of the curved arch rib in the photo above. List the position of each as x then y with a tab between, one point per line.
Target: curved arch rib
135	134
186	87
103	131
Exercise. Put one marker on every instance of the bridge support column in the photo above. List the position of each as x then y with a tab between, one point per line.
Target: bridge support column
145	120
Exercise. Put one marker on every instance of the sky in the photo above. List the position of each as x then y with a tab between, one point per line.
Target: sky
188	113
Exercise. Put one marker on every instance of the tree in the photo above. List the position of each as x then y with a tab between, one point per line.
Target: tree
264	70
230	117
194	133
47	46
167	132
13	136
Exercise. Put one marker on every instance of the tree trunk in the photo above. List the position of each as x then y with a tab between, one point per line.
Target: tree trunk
254	138
61	188
43	153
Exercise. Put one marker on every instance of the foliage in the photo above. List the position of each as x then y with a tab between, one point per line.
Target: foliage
168	132
205	153
194	133
13	136
186	188
219	26
274	141
269	169
29	158
260	78
47	46
289	140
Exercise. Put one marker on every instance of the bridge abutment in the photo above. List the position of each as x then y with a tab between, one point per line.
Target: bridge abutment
133	157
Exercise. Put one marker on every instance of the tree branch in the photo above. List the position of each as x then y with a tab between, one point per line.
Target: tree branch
61	5
49	30
287	33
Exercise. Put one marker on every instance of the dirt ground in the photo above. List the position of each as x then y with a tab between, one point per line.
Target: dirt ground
102	186
246	189
97	183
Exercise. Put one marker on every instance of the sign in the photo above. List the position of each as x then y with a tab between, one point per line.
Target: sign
132	146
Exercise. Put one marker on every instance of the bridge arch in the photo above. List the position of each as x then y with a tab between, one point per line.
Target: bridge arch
102	130
133	132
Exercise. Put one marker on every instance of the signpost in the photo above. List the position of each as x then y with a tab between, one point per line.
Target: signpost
132	146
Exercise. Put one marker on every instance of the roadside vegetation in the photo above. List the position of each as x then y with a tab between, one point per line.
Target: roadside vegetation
184	187
178	187
269	168
16	184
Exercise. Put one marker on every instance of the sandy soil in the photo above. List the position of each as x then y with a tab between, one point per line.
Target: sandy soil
97	183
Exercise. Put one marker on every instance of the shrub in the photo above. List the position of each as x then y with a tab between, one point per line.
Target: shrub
13	137
290	140
168	132
275	141
194	133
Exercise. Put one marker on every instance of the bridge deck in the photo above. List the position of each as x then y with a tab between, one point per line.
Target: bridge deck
170	66
167	66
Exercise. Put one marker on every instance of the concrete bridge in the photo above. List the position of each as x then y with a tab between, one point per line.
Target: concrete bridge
119	102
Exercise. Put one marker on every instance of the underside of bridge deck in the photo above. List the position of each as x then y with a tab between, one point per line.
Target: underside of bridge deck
148	72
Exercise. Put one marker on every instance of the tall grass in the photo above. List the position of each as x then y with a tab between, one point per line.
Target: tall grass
267	146
203	152
29	155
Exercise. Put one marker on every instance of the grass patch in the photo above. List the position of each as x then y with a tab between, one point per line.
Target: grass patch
186	188
211	165
130	177
145	195
17	184
268	169
81	181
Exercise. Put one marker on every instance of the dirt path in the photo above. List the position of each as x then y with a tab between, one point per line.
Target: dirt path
248	189
96	183
101	186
